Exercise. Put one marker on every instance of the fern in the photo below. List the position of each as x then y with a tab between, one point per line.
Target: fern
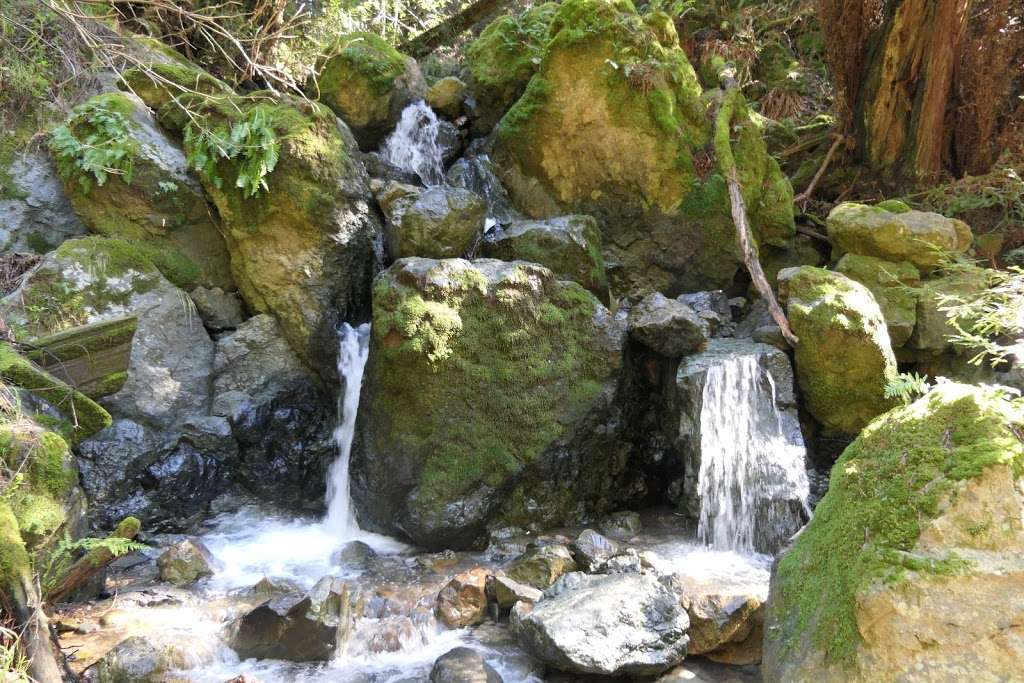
59	560
252	143
93	144
907	386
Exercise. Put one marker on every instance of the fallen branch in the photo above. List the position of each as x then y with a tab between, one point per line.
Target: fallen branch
804	196
727	162
93	561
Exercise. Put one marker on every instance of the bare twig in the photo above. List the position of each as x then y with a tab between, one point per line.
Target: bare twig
802	198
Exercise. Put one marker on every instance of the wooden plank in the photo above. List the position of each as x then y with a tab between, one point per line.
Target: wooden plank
91	358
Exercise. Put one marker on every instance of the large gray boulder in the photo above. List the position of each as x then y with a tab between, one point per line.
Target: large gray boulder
765	413
618	625
489	393
35	214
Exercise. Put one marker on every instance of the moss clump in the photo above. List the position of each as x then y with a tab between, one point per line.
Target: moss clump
844	359
15	569
884	489
366	56
473	379
162	83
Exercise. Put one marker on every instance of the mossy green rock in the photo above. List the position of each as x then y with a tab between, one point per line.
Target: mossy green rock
615	124
844	359
922	238
438	222
910	568
159	206
502	61
481	374
934	331
541	567
446	96
303	248
368	83
894	287
569	245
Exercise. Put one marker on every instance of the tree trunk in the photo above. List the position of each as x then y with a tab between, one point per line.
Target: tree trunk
428	41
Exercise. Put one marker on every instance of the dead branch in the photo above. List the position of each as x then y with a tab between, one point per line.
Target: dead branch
94	561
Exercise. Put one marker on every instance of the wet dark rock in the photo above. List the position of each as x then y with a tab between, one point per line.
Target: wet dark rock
713	308
627	624
463	665
667	326
185	562
438	222
591	550
380	168
353	554
475	172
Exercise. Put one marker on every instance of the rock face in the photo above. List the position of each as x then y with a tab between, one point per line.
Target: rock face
613	125
626	624
520	365
921	238
844	358
463	601
439	222
569	245
163	458
891	284
297	630
667	326
779	513
278	413
158	206
185	562
463	665
368	84
911	567
305	247
502	60
35	215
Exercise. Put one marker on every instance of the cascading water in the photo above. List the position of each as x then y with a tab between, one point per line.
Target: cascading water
352	352
751	472
413	146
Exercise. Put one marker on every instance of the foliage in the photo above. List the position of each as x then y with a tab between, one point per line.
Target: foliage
989	323
13	663
55	564
906	386
251	142
95	143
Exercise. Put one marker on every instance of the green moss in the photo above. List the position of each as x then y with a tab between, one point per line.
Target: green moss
162	83
884	489
894	206
43	460
502	369
508	51
14	561
365	56
522	113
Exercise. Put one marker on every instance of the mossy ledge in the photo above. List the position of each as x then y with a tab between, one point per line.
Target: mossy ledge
885	488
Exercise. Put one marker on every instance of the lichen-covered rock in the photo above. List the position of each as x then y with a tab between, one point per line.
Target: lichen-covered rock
844	359
502	60
614	124
911	567
368	83
162	459
922	238
934	331
486	384
463	600
304	247
667	326
625	624
541	567
280	416
185	562
893	286
569	245
438	222
446	96
157	204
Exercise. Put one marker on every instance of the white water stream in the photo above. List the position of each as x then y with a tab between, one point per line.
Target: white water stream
752	473
413	145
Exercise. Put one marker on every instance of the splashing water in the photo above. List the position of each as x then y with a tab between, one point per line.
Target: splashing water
352	352
413	145
752	482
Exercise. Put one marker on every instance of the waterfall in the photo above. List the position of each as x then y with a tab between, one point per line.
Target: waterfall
354	346
413	146
752	482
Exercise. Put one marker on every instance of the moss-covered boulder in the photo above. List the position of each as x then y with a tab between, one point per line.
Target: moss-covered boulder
438	222
446	96
935	331
615	124
487	400
569	245
301	230
894	288
368	83
911	566
152	200
844	359
922	238
502	61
